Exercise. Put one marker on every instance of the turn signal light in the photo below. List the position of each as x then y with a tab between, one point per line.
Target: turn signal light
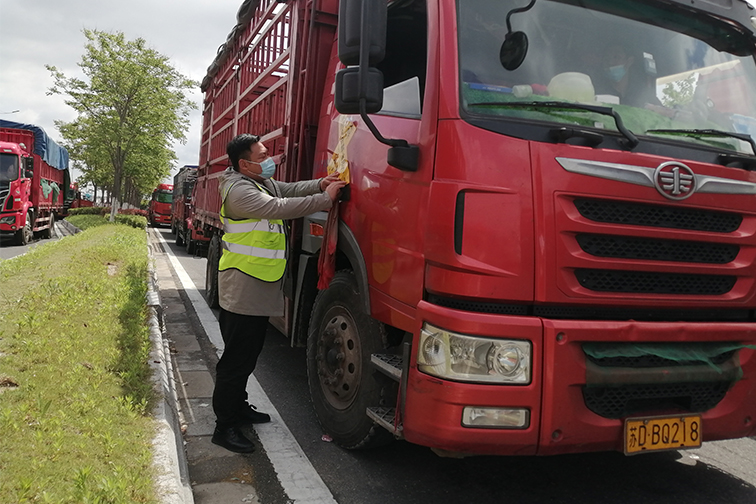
316	229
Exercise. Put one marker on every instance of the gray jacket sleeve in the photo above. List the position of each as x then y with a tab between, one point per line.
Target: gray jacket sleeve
245	201
301	188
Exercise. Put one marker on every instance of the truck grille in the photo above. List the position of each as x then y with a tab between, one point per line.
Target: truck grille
657	250
638	214
618	402
622	380
654	361
642	282
4	192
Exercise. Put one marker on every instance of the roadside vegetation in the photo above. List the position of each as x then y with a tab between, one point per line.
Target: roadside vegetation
84	218
75	387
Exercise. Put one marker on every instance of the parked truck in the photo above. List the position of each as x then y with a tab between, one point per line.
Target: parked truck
181	214
549	241
34	177
160	206
75	199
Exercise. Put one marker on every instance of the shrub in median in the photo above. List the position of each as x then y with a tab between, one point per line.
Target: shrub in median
87	221
136	221
75	387
133	211
87	211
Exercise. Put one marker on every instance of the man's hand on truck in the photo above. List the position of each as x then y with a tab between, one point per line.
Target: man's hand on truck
332	185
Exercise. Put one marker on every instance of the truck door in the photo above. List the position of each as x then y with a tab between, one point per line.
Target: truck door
388	205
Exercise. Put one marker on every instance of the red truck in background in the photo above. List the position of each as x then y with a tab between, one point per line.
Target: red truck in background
33	180
160	207
549	241
181	217
75	199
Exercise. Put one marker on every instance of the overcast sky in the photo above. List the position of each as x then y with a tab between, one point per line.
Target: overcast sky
34	33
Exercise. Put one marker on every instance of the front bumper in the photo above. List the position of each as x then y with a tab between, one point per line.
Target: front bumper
7	228
161	219
560	421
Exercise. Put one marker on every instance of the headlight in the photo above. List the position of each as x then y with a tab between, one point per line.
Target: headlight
10	219
471	358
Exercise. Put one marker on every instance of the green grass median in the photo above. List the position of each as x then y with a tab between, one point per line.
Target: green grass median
75	387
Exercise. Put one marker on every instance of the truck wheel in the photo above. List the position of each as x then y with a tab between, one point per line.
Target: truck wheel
342	382
25	234
50	232
179	238
211	273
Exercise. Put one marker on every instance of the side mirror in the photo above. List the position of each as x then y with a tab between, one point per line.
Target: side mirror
405	157
29	167
351	30
348	93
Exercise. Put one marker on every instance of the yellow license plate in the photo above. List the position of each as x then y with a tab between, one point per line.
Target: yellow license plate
662	433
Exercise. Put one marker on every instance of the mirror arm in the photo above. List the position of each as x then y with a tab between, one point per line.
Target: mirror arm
517	11
374	130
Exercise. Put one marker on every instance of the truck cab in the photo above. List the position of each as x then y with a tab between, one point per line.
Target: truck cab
556	234
13	182
160	207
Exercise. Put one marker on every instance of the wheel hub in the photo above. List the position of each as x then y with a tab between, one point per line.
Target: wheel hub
339	358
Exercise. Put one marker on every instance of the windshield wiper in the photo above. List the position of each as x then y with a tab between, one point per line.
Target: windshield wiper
697	133
632	140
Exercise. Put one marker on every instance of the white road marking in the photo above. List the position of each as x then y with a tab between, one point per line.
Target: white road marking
297	476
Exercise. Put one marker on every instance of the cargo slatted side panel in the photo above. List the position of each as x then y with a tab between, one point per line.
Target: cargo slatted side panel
267	80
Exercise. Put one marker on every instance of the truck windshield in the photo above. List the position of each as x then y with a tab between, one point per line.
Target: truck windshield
661	70
163	196
8	167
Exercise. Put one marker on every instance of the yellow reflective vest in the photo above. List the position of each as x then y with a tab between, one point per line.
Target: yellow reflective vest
256	247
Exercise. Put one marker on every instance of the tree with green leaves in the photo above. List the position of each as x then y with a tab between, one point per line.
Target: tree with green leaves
131	108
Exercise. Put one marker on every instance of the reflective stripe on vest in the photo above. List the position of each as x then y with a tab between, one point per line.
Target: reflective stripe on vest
256	247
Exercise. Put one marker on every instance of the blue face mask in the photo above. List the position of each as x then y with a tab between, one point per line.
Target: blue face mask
616	73
268	168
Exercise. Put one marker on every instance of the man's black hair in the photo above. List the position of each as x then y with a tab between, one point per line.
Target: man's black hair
238	145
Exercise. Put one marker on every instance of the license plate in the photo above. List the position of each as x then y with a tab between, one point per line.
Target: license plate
662	433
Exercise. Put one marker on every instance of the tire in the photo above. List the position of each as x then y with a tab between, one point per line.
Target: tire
25	234
342	382
179	238
50	232
211	273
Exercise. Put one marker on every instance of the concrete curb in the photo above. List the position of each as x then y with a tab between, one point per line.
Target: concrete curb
170	461
70	228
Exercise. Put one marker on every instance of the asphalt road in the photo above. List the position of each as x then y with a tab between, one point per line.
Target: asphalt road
720	472
9	249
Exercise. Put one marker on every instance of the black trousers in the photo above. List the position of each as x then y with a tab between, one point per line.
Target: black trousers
243	336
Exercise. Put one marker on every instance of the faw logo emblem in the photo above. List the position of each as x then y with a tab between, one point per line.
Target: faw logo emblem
674	180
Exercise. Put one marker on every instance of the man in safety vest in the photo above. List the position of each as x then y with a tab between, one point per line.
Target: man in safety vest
251	268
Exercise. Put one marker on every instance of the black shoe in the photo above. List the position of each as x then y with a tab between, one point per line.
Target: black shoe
250	415
232	439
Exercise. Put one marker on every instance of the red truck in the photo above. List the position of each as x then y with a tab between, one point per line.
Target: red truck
549	242
74	198
181	217
33	180
159	210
